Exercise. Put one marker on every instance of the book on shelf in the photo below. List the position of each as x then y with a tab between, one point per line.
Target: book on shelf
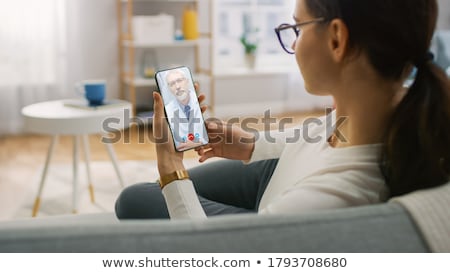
84	104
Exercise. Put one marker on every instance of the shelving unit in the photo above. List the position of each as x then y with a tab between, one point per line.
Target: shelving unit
165	54
133	79
217	57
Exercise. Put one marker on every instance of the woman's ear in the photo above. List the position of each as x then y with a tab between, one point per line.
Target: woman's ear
338	39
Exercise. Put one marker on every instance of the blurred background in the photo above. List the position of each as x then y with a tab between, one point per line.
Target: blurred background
49	45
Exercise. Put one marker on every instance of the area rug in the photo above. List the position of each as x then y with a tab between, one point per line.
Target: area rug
56	197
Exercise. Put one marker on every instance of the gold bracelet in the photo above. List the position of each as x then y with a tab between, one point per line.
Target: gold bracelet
169	178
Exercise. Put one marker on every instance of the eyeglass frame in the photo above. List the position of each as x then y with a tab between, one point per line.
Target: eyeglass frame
296	29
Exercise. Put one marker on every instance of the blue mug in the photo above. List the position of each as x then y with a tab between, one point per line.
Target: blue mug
93	90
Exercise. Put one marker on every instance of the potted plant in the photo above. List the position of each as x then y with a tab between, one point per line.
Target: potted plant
250	43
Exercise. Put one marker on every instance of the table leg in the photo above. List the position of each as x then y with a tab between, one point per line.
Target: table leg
75	174
87	160
37	201
113	157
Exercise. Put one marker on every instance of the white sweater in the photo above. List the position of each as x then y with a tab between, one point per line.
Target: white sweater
310	175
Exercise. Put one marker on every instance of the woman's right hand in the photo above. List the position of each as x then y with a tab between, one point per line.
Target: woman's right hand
227	141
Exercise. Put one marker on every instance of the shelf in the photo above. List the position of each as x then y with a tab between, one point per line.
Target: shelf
133	50
174	44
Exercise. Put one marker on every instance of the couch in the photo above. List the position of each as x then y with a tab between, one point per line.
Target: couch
378	228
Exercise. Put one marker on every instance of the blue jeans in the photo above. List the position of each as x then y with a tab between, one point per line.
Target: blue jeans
223	187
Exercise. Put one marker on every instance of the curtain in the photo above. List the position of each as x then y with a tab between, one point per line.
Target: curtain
32	56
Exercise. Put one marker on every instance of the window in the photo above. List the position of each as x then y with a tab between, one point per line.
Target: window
32	41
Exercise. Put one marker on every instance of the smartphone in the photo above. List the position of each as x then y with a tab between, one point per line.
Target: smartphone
182	108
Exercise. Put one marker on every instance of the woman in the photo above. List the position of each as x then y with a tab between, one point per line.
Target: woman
394	140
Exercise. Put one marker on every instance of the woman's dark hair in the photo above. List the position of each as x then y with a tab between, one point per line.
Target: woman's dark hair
396	35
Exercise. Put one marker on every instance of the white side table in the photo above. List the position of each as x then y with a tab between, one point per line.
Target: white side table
54	118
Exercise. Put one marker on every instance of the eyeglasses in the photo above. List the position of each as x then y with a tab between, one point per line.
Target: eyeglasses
287	34
176	81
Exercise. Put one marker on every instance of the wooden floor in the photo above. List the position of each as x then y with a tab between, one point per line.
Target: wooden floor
22	155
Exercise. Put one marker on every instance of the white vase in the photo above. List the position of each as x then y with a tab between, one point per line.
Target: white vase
250	60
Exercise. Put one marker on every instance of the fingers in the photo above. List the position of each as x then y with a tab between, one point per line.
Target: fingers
158	107
201	98
205	152
206	155
201	149
214	126
196	86
216	133
187	145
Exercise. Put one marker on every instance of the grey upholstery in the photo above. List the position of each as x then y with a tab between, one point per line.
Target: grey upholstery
377	228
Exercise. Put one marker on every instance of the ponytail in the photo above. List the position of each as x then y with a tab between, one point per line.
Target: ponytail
417	150
416	153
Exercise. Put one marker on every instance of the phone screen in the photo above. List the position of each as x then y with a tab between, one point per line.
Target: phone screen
182	108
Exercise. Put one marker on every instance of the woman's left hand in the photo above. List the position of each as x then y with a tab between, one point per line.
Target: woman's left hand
169	160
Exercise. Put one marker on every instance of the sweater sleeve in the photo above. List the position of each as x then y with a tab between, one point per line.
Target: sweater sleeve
270	144
182	201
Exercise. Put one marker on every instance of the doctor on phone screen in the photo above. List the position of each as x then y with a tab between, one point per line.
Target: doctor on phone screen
183	112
